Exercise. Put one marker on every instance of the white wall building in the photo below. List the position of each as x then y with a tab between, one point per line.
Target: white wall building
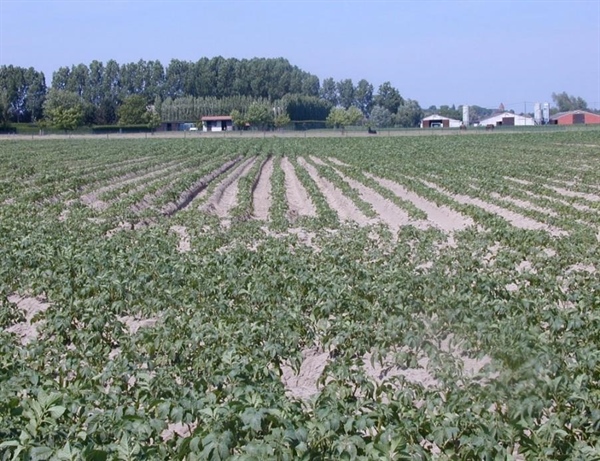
438	121
507	119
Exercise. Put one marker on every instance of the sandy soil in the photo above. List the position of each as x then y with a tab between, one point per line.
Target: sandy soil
261	199
184	238
303	385
577	206
518	181
524	204
342	205
570	193
187	196
298	200
224	197
134	323
515	219
389	213
442	217
27	330
92	198
336	161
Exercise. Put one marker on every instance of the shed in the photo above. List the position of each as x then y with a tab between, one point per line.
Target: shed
507	119
217	123
575	117
439	121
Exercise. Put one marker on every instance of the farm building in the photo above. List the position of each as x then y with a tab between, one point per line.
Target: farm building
217	123
575	117
438	121
507	119
175	126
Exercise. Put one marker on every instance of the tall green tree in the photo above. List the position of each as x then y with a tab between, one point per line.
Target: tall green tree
388	97
381	117
409	114
565	102
345	90
260	115
363	97
134	111
329	91
25	91
64	109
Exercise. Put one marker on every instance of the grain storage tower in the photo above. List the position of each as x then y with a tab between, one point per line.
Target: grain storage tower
537	113
546	113
465	118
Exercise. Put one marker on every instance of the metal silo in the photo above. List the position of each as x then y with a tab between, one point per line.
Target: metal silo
537	113
546	113
465	117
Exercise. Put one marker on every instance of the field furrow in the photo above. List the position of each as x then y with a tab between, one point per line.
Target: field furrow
298	200
261	198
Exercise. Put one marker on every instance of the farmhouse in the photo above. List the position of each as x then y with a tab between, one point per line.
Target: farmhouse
217	123
438	121
507	119
575	117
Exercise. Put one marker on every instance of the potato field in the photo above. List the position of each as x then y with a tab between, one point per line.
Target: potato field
373	298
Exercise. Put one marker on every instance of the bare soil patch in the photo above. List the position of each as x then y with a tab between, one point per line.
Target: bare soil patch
184	238
92	199
188	196
392	215
524	204
519	181
224	197
570	193
261	199
27	330
442	217
342	205
298	200
516	219
337	162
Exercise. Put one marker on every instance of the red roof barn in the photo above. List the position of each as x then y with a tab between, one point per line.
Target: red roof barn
575	117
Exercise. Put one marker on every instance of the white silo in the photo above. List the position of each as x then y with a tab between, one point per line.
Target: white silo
537	113
546	113
465	118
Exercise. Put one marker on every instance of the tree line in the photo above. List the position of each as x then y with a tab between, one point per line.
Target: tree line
271	91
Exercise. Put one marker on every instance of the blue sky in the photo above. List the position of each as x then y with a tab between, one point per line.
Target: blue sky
437	52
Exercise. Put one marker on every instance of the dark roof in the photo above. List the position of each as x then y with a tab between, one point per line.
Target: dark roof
216	118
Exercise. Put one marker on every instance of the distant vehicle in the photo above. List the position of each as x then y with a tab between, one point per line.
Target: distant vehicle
189	127
193	128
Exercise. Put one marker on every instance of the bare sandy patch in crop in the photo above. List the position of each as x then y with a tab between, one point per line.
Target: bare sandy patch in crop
184	244
524	204
187	197
92	199
182	430
442	217
298	200
342	205
391	214
261	198
27	330
577	206
136	323
574	194
519	181
337	162
304	383
516	219
224	197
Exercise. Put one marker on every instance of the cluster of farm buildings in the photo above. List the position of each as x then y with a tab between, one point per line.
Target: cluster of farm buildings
501	118
504	118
